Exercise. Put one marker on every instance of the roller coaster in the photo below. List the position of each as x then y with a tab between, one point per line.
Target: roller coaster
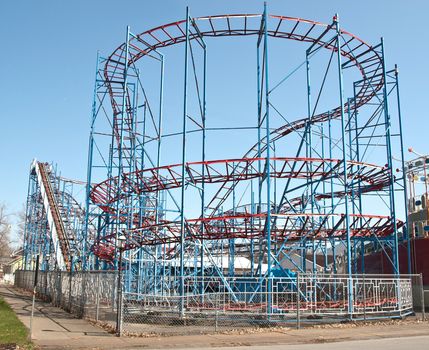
309	195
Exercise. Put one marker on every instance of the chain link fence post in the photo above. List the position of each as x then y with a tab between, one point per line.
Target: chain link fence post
422	297
217	314
119	299
46	285
298	303
70	290
84	293
114	291
364	297
121	311
181	300
97	297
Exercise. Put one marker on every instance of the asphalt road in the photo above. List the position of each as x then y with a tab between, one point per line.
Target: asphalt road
407	343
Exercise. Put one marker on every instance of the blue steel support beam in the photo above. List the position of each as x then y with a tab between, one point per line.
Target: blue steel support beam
121	143
160	112
389	164
352	193
89	169
358	159
404	179
203	168
231	242
160	117
259	121
267	162
252	205
309	154
182	194
158	155
345	175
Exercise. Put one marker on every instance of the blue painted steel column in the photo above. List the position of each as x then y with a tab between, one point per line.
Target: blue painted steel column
310	154
330	145
331	186
160	115
389	164
121	141
324	244
407	228
231	242
345	177
158	163
267	162
359	191
252	205
203	169
259	203
89	169
352	193
182	196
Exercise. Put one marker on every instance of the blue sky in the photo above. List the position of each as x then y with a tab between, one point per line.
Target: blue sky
48	60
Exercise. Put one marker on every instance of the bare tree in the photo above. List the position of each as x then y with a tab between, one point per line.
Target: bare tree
5	228
18	239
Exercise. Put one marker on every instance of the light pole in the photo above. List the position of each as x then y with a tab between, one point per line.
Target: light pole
120	242
34	293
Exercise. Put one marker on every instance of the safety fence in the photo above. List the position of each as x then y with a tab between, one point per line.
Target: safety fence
212	303
86	294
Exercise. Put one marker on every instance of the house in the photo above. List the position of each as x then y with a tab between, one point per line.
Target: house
8	266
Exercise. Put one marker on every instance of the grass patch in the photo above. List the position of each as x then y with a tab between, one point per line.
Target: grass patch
12	331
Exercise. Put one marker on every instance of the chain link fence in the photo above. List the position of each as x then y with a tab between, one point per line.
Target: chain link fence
215	304
231	303
86	294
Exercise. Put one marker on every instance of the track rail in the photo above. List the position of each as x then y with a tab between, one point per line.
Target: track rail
289	227
59	234
230	172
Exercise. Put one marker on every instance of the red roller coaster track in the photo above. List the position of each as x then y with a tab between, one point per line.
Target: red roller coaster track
230	172
289	227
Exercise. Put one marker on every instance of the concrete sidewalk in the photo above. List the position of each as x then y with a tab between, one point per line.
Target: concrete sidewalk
51	325
56	329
